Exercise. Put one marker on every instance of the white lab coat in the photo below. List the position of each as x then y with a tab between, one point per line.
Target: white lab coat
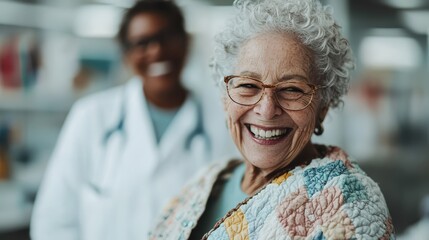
108	178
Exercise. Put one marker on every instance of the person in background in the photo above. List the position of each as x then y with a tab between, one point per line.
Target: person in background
283	64
125	151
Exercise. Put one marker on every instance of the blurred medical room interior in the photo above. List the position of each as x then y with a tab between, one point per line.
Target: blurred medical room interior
53	52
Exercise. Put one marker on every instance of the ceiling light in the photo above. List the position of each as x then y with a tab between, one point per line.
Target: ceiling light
390	52
404	3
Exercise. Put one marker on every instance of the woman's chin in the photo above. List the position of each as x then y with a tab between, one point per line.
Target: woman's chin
266	155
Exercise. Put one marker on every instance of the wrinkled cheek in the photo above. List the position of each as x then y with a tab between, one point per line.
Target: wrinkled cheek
234	126
307	128
306	133
235	130
301	138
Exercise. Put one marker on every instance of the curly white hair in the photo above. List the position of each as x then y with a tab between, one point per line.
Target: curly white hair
311	22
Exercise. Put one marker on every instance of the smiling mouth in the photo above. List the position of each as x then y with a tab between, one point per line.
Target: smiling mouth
159	69
268	134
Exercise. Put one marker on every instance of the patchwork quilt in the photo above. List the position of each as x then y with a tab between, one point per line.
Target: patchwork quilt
331	198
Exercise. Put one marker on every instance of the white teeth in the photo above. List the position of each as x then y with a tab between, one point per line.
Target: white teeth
159	68
266	134
254	130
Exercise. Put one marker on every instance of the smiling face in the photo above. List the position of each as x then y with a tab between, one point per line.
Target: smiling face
268	136
157	51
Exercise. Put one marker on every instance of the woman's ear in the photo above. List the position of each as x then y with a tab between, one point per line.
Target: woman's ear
318	129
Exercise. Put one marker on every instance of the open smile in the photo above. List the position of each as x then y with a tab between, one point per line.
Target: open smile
158	69
268	134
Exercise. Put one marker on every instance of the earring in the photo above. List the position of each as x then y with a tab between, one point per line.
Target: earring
318	130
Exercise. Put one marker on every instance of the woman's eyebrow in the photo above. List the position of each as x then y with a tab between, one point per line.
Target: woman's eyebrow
251	74
285	77
293	76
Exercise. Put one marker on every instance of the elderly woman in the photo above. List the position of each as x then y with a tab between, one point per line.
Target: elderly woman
283	63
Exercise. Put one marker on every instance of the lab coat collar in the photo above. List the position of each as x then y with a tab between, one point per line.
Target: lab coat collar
137	122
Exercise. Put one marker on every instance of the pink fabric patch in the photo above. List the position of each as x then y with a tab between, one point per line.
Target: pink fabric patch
300	216
389	230
337	154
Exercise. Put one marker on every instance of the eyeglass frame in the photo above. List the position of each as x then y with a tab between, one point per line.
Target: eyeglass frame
313	87
164	37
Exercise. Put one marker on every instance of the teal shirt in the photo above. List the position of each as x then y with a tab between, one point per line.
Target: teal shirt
230	196
160	119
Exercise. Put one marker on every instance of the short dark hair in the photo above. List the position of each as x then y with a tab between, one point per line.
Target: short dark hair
164	7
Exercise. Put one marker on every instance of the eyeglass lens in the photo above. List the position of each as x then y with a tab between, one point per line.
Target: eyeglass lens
291	95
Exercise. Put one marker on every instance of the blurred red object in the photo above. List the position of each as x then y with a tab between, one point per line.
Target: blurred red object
9	64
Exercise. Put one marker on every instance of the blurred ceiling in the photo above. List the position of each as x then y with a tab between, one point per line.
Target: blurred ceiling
401	4
390	3
381	4
413	15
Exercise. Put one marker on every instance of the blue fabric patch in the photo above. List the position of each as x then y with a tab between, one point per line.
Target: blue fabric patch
353	190
319	236
316	178
219	234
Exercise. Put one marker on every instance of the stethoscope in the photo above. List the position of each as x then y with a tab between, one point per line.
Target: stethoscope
114	149
119	126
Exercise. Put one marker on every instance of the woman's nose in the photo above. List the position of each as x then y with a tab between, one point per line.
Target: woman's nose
268	107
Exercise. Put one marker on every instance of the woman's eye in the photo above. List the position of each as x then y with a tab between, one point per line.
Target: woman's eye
292	89
248	85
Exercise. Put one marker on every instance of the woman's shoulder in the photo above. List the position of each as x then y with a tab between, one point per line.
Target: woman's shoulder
334	163
331	197
336	176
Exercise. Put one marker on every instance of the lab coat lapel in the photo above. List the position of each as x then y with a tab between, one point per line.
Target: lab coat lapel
141	145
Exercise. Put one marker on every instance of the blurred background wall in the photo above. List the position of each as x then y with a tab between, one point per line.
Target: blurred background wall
53	52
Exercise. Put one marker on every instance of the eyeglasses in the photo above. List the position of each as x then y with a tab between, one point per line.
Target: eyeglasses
290	95
165	38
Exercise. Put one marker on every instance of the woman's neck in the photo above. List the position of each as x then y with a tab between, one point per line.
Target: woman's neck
168	99
254	178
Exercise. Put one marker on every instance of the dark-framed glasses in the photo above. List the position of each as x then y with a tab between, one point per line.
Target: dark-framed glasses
164	38
290	95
